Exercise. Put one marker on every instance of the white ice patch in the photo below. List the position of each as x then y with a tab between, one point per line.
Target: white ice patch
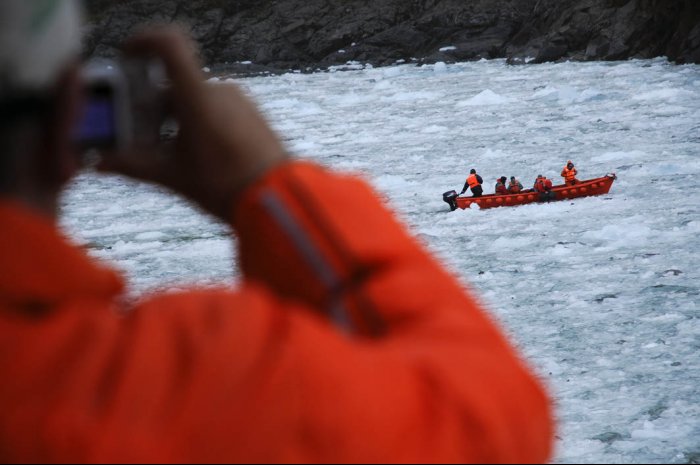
667	95
486	97
620	235
434	129
391	184
351	99
619	157
411	96
440	67
448	48
493	155
568	95
151	236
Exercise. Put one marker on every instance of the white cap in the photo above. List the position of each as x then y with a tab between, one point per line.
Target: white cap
38	39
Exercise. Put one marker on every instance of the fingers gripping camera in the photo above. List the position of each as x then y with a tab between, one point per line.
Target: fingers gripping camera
124	105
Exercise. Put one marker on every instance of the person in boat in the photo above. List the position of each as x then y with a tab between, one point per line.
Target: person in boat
543	186
501	186
569	174
474	182
514	186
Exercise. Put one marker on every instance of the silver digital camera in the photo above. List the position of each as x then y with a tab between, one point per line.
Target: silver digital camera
124	105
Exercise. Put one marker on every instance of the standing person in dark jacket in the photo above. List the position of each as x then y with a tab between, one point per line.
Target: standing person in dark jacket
474	182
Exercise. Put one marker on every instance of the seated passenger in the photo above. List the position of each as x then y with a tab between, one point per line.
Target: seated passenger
544	187
514	186
501	185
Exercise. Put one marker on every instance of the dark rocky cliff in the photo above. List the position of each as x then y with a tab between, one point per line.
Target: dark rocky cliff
310	34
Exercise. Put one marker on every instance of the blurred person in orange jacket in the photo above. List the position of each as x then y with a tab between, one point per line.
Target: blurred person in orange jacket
369	352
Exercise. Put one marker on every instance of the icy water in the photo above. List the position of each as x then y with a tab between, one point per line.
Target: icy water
601	295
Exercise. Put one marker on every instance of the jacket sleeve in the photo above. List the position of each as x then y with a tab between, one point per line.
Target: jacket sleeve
464	189
406	365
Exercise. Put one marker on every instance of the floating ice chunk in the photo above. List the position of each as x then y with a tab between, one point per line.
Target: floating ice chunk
304	146
433	129
589	94
619	156
547	93
514	242
411	96
440	67
393	71
150	236
671	95
391	183
448	49
648	431
620	235
487	97
309	109
494	154
568	95
560	250
351	99
282	104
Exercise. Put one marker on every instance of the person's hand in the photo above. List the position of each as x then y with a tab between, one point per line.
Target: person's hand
223	145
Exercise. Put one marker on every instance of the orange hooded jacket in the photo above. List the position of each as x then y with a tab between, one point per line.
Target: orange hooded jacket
346	342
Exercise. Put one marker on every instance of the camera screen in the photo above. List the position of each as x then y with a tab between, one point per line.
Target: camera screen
97	126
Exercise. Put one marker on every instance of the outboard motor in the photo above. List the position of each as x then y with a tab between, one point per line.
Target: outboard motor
451	199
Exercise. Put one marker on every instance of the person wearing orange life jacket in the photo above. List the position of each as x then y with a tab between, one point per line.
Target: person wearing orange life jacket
474	182
543	186
569	174
501	185
514	186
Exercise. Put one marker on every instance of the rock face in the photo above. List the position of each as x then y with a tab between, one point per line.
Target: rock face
251	36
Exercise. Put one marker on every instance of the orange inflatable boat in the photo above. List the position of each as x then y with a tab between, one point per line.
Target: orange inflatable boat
592	187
